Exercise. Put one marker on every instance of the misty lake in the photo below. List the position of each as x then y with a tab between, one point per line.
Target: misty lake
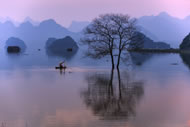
153	92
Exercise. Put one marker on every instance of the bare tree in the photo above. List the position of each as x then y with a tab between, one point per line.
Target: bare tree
109	34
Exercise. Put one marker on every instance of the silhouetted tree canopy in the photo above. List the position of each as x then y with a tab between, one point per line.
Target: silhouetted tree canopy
109	34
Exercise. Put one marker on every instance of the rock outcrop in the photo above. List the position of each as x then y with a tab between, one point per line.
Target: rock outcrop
49	42
185	45
15	44
61	47
143	42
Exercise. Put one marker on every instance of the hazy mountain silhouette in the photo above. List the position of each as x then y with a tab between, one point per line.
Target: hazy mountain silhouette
166	28
6	30
77	26
49	28
143	42
147	33
28	19
35	35
2	20
162	27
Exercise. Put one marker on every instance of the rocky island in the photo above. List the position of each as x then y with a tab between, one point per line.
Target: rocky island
65	47
15	45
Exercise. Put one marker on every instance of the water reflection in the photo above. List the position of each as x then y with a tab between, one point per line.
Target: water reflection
41	97
62	71
140	58
112	97
66	54
186	59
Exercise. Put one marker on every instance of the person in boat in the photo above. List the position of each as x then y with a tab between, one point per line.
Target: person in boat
62	65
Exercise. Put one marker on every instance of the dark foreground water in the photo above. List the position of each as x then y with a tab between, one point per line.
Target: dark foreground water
153	93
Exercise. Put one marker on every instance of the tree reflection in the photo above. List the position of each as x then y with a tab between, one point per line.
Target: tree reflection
112	97
186	59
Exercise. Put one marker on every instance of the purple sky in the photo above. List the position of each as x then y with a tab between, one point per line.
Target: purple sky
64	11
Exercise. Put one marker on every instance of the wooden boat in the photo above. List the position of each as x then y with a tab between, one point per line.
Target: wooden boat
61	67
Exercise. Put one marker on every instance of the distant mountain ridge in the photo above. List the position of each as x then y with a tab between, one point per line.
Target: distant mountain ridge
35	35
159	28
17	23
166	28
28	19
143	42
77	26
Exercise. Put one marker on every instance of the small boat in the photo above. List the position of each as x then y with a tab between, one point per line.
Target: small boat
61	67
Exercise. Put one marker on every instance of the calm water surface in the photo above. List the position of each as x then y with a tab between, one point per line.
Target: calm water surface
153	93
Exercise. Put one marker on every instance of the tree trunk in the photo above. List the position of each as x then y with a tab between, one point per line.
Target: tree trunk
118	59
110	88
112	60
119	81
